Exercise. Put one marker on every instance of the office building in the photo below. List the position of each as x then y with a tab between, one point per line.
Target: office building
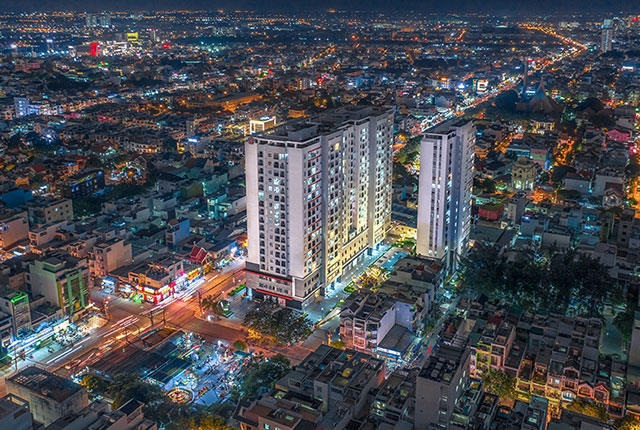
104	20
318	196
606	37
444	196
91	20
50	396
94	20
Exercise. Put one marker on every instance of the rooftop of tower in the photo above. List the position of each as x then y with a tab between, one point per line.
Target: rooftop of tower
447	126
305	129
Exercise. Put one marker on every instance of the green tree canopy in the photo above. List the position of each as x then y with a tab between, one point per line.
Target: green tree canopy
556	281
129	386
500	383
261	377
283	325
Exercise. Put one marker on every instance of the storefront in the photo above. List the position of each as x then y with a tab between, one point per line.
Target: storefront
46	331
156	295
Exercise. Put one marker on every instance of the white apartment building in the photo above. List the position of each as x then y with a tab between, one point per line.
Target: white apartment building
444	196
606	37
318	196
108	256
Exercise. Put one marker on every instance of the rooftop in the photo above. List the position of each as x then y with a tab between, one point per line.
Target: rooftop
46	384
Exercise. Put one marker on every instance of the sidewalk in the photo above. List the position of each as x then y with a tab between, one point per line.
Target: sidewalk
333	296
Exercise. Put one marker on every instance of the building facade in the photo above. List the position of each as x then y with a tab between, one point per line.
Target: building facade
83	184
107	256
46	210
318	196
13	229
444	197
62	280
50	396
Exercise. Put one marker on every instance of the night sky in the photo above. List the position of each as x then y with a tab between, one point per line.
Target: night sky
506	7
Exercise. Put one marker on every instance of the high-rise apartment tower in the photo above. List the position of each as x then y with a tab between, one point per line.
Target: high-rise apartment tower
444	195
318	196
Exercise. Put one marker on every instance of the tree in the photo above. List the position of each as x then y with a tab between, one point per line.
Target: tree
500	383
554	281
588	408
282	326
624	322
262	377
627	423
208	303
369	280
483	270
199	419
169	145
484	185
240	345
337	344
172	416
94	384
506	100
129	386
86	207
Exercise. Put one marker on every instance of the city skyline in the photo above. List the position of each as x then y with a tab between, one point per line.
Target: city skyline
499	7
345	216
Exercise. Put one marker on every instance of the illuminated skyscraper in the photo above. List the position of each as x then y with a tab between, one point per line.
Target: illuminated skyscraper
318	196
607	36
105	20
444	194
91	20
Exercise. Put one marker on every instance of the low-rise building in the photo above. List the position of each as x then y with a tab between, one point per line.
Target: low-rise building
15	414
551	356
50	396
439	385
155	278
108	256
62	280
339	380
45	210
99	416
524	173
14	228
83	184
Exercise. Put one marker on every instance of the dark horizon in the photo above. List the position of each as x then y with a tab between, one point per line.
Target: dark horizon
495	7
